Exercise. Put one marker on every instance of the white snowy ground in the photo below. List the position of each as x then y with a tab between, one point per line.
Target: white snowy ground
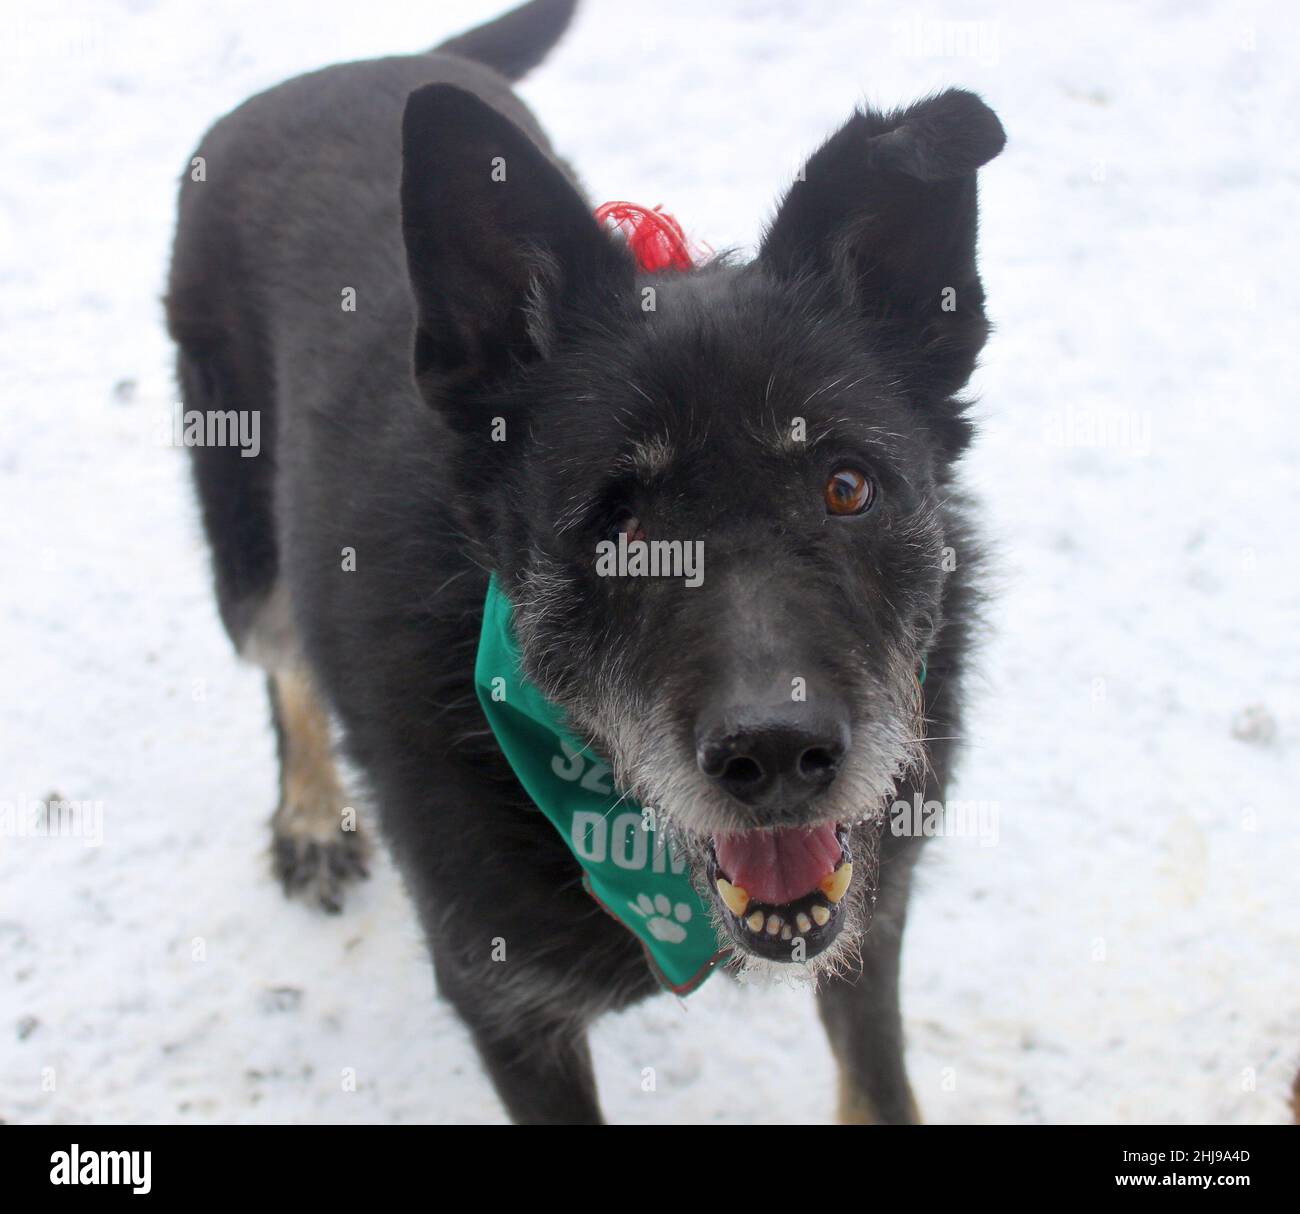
1128	951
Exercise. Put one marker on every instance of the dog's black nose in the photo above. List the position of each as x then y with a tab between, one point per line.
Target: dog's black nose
773	757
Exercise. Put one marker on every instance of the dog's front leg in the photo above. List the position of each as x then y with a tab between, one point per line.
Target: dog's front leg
861	1013
531	1040
542	1072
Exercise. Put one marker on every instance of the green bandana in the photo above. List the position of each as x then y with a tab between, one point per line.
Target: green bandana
629	867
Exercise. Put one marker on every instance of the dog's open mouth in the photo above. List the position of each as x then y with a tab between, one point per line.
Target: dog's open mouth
777	887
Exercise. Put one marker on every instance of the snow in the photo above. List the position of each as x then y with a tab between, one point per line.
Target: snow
1128	949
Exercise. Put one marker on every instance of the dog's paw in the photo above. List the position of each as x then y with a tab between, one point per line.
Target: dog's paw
317	869
657	914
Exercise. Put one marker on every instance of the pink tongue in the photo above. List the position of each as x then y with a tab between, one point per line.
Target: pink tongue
778	866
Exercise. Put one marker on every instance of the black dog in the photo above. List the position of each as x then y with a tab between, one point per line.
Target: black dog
388	261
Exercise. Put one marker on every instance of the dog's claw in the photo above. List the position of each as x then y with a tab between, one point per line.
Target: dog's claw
319	872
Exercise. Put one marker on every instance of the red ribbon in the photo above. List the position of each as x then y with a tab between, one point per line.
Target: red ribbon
655	237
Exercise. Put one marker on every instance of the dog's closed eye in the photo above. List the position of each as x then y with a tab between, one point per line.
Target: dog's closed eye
627	523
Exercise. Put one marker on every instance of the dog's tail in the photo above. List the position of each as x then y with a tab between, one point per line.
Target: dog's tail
517	41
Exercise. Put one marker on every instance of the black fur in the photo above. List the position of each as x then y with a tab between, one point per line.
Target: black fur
479	299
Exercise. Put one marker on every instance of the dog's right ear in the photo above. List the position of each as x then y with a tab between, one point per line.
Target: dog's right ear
498	242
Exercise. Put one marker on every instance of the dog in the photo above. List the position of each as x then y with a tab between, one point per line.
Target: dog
465	380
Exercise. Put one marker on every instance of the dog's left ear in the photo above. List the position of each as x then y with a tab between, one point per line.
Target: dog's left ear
886	212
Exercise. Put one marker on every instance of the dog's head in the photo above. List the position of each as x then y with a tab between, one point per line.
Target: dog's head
776	435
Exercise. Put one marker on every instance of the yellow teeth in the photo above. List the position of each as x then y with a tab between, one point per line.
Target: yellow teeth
737	901
835	885
735	898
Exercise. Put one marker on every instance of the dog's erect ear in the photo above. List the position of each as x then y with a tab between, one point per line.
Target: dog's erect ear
886	209
498	241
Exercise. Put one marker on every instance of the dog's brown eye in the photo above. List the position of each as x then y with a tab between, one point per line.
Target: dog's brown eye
848	491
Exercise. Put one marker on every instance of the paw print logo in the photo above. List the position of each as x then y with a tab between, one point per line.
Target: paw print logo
663	918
